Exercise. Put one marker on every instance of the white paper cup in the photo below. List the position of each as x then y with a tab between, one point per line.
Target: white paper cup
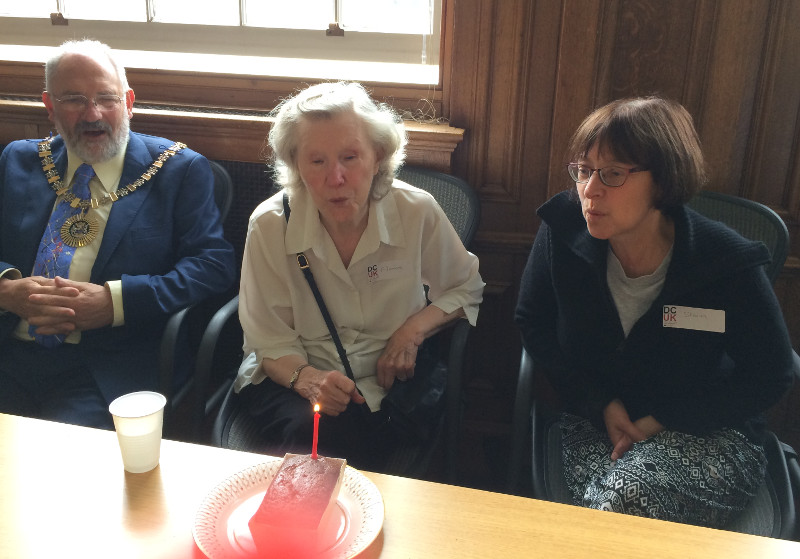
138	418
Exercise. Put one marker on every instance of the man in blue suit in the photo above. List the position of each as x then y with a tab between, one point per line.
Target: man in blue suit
89	276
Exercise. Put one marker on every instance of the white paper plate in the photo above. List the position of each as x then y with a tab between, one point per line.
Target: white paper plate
221	531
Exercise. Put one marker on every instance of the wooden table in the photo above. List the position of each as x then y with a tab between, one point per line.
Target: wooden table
64	494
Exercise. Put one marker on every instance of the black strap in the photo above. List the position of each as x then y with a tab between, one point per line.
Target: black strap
302	261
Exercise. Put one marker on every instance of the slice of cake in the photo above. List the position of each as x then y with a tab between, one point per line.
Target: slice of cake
294	516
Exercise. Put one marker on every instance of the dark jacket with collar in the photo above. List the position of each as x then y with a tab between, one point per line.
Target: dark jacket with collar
689	380
164	242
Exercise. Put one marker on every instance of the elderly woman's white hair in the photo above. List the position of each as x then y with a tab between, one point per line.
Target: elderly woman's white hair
323	101
86	47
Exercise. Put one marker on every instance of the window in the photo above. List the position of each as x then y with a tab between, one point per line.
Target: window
370	40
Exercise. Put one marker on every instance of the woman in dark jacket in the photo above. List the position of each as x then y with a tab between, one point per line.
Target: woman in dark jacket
657	327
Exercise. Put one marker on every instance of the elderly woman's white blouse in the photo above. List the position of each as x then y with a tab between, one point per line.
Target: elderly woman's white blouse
408	241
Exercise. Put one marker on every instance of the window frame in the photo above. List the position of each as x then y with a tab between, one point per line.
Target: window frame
244	50
235	106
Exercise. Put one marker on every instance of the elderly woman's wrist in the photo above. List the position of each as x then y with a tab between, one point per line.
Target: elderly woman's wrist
296	375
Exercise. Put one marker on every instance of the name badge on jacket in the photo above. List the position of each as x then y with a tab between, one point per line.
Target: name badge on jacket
694	318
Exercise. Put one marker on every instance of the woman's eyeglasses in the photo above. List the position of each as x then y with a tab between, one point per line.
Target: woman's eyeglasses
609	176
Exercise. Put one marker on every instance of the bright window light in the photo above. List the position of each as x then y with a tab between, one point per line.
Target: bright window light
102	10
298	14
413	17
384	40
202	12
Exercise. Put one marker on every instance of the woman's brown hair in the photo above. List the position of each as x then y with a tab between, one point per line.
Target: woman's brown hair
649	132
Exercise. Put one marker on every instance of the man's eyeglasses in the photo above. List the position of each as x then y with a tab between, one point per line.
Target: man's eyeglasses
79	103
609	176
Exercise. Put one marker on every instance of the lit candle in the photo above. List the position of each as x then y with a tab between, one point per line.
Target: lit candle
316	432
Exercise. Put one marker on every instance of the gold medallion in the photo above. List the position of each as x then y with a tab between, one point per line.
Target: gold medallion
79	230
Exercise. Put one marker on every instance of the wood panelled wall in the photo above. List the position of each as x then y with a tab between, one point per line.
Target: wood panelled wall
518	76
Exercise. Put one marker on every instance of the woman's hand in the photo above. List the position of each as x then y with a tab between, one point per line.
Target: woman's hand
399	356
332	390
623	432
648	425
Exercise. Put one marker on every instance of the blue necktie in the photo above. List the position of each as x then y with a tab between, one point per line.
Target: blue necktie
54	256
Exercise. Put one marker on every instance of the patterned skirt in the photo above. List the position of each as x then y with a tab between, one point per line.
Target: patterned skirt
702	480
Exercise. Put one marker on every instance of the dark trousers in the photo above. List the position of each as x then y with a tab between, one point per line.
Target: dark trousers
51	384
287	425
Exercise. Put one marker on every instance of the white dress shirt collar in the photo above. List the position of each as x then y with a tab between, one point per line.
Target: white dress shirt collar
383	226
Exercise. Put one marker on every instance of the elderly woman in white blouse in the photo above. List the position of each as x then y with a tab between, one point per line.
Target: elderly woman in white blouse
371	242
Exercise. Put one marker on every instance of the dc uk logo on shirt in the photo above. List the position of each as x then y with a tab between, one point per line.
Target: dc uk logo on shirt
670	315
372	272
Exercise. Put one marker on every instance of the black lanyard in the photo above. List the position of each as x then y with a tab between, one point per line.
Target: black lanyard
302	261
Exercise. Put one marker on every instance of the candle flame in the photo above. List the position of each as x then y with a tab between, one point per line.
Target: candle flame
316	407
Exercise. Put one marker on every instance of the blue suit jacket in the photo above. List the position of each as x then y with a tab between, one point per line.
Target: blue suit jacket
164	242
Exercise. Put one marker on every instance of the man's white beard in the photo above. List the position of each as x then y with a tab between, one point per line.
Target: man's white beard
91	152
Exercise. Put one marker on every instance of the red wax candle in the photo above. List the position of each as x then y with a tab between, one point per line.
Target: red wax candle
316	432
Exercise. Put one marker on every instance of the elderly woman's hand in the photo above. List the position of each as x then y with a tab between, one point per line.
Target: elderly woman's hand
332	390
399	357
